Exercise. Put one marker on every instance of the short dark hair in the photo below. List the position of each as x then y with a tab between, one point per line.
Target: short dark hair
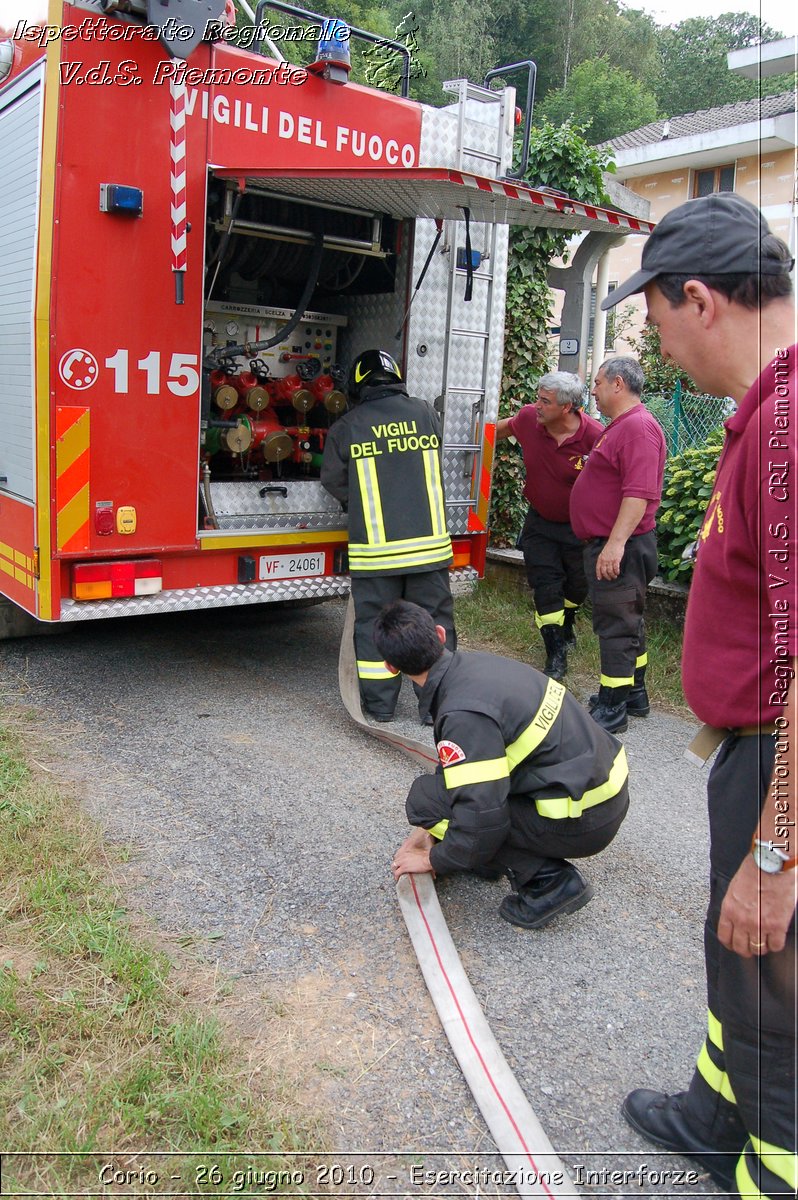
749	291
406	637
628	369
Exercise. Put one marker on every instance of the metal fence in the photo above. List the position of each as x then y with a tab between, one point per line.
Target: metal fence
686	419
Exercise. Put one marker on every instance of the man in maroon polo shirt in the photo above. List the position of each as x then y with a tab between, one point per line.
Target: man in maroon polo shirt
718	289
555	436
613	505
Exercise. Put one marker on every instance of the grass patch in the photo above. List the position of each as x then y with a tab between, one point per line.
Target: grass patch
98	1050
498	617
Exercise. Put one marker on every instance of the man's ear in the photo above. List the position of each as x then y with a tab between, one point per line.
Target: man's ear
393	670
441	632
705	301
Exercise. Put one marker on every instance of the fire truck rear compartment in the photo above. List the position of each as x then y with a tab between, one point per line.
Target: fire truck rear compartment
293	291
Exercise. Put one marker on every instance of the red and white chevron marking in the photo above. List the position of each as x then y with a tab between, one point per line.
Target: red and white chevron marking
177	133
561	204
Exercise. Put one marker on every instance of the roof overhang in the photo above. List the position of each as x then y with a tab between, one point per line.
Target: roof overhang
437	193
771	58
708	149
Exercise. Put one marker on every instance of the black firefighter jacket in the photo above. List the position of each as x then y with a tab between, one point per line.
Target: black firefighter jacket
503	729
382	461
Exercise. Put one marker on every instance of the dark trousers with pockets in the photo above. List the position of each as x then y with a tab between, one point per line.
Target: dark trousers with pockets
554	561
742	1097
618	604
430	590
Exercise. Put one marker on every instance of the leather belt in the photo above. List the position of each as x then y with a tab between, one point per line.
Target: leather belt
709	737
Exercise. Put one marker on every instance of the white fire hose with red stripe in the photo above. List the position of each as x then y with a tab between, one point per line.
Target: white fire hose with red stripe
520	1139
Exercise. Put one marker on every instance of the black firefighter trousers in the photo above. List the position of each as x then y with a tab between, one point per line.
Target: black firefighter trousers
742	1097
431	590
618	606
554	561
533	840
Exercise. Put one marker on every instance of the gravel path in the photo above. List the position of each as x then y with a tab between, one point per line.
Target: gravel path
260	823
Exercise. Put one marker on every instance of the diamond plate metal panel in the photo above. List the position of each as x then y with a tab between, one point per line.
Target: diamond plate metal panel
233	596
496	346
444	191
189	599
374	320
463	581
439	137
469	358
306	505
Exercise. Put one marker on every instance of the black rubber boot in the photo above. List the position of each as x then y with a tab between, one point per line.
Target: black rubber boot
661	1120
556	654
383	718
610	712
637	702
568	628
558	888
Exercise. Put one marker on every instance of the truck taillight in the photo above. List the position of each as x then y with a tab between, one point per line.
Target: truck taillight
106	580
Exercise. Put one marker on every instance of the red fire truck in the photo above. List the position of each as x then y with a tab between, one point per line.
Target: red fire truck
196	239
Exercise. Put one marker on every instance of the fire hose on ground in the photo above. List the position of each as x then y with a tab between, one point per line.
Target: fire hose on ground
520	1139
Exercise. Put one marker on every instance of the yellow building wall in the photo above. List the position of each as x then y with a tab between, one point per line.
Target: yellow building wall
767	183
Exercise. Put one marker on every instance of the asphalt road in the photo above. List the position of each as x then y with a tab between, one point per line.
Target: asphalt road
260	822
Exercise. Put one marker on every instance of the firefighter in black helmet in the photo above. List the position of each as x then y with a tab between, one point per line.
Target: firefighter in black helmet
382	461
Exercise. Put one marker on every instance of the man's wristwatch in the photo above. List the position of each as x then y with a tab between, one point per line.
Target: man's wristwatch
770	859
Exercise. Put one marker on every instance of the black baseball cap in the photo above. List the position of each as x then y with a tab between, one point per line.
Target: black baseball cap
719	234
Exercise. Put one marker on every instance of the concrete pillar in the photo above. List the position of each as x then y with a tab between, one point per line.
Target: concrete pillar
576	281
600	320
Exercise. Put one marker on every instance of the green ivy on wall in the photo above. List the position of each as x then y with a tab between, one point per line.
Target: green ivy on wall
559	158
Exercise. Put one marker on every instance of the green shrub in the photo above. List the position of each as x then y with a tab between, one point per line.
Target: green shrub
685	495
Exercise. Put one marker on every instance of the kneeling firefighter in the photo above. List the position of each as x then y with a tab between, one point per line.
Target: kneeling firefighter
382	461
526	779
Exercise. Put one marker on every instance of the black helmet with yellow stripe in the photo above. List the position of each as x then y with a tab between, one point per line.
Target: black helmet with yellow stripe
370	368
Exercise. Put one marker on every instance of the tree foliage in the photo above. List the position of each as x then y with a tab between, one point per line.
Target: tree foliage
662	375
694	72
607	99
578	46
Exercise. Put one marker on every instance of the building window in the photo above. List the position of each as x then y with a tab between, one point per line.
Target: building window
713	179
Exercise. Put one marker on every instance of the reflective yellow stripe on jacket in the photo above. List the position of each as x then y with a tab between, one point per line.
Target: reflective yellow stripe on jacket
566	806
411	552
381	554
432	474
370	497
539	726
489	770
557	807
